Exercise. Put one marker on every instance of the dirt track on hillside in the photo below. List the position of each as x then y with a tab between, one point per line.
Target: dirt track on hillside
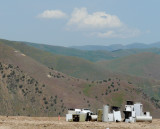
53	123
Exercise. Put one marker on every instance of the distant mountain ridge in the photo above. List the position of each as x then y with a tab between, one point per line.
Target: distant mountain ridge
93	55
117	46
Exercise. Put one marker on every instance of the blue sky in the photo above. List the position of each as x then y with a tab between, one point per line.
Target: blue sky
80	22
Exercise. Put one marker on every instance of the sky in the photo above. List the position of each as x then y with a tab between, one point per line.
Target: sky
80	22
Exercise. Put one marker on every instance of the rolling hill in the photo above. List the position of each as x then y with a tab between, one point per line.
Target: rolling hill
144	64
54	91
85	54
93	56
100	54
70	65
114	47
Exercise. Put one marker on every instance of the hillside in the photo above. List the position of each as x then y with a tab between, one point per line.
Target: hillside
84	69
66	51
21	94
114	47
57	91
143	64
85	54
93	56
100	54
70	65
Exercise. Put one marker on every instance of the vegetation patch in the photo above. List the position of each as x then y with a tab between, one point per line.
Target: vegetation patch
87	88
117	99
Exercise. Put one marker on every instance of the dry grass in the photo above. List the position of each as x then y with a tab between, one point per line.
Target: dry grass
54	123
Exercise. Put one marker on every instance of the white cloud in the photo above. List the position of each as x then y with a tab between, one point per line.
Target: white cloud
124	32
82	19
104	25
52	14
98	24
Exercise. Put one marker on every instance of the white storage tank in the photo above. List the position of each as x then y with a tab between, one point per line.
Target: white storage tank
105	113
138	108
143	118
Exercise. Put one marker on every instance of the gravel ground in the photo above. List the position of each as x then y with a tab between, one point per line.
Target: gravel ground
20	122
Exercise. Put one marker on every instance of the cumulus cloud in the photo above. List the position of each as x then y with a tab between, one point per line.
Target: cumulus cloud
52	14
82	19
104	25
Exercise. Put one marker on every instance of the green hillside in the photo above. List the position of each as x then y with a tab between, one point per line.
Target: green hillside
93	55
143	64
88	55
70	65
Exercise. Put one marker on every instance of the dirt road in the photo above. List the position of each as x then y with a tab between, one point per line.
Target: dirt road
54	123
